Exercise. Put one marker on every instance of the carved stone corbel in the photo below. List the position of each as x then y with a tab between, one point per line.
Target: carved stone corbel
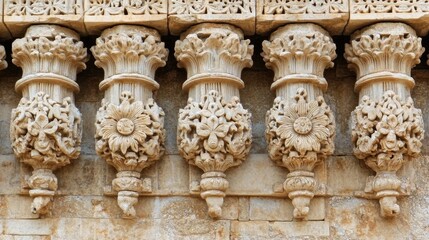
130	126
387	129
300	125
46	126
214	130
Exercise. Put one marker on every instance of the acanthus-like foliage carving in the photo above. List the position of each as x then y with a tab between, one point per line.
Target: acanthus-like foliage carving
212	6
213	134
53	48
387	132
42	7
126	7
301	133
401	6
378	48
210	50
299	49
46	134
273	7
128	49
130	136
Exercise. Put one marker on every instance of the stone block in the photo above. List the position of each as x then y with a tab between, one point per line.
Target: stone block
100	15
252	230
10	182
184	13
364	13
19	207
173	175
20	14
243	208
195	229
29	227
332	15
289	230
270	209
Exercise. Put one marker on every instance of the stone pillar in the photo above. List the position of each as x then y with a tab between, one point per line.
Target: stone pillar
130	126
300	125
387	129
214	130
46	126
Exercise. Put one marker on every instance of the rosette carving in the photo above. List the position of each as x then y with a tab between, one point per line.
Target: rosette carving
130	131
387	133
46	126
300	135
214	135
387	129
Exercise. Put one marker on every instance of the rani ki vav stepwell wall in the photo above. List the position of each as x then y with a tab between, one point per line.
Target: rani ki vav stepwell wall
266	119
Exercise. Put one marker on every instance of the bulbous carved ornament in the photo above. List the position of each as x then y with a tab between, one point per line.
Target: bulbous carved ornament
386	134
130	136
46	135
300	134
214	135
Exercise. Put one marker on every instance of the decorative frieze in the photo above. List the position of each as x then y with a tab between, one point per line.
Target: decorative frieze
365	12
300	125
332	15
100	14
214	130
184	13
129	127
19	14
388	129
46	126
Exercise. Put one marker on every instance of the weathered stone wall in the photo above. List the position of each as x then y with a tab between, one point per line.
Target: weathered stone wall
83	208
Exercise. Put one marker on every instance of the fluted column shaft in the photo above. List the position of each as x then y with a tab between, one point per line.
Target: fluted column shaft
214	130
300	125
387	129
130	131
46	125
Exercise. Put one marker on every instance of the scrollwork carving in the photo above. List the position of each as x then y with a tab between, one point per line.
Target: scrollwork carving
276	7
42	7
212	6
126	7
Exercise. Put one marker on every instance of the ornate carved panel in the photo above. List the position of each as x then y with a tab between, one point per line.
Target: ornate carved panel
184	13
100	14
331	14
19	14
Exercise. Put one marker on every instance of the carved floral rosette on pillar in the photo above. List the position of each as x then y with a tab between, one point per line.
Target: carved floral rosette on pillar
214	130
300	125
130	126
46	126
387	129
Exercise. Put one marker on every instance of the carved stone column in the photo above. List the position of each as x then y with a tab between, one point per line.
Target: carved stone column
129	128
387	129
214	130
300	126
46	126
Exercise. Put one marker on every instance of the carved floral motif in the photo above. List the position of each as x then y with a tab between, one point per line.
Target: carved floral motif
300	135
379	6
209	50
42	7
212	6
130	136
214	135
274	7
126	7
386	134
46	135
